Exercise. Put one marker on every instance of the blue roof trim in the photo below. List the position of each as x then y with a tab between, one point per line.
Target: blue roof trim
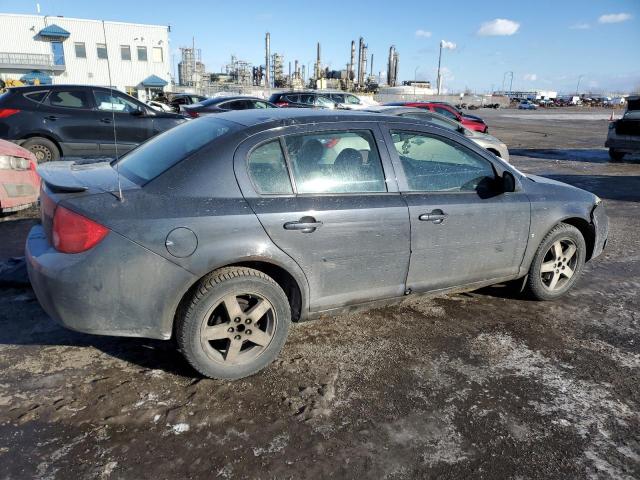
54	31
154	81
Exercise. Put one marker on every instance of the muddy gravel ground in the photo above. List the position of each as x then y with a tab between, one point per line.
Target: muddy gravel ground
479	385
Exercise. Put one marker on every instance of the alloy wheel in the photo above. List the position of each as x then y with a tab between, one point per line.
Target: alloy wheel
238	328
559	264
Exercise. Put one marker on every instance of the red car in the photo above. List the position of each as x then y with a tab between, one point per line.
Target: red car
19	182
469	121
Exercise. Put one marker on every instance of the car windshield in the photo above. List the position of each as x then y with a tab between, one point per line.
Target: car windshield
169	148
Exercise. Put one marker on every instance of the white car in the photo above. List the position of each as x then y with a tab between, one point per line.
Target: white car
349	101
527	105
162	107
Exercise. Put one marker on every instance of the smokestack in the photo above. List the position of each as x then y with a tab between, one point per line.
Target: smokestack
371	66
350	74
289	73
295	68
360	48
267	66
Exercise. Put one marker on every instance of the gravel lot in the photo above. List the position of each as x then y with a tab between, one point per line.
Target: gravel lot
480	385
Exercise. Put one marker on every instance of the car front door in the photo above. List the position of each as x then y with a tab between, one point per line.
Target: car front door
326	196
120	120
68	114
464	229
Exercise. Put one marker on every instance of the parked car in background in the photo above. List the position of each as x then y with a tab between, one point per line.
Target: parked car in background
347	101
624	134
225	104
19	182
469	121
527	105
302	100
485	140
179	100
234	225
163	107
52	121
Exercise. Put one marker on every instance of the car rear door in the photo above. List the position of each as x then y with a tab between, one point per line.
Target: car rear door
326	195
463	229
68	113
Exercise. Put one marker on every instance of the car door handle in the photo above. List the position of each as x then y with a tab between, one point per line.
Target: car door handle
105	120
304	225
53	118
436	216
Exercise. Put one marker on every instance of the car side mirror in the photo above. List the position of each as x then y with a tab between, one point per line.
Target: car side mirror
508	182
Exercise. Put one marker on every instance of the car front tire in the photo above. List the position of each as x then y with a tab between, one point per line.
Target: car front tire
235	324
557	264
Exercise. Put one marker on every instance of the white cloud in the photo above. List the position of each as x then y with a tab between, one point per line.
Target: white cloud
447	45
531	77
423	34
498	27
614	18
580	26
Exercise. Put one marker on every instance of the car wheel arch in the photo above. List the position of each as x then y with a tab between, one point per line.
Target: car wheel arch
587	231
51	138
293	286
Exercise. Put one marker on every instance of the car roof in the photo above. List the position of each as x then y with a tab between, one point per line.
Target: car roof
288	116
393	109
26	88
235	97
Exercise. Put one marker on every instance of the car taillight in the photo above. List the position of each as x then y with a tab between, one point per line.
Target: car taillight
73	233
7	112
193	114
281	104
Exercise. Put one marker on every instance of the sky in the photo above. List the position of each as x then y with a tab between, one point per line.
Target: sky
548	45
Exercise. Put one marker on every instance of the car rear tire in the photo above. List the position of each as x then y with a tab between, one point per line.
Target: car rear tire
235	324
43	148
616	155
557	264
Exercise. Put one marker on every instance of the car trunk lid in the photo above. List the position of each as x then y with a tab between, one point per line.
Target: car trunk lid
62	180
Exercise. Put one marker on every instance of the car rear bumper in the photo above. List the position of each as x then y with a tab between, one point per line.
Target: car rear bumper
117	288
600	221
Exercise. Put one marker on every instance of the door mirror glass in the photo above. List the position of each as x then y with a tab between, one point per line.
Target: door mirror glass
508	182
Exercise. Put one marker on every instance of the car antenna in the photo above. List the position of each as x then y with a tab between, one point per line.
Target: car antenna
113	115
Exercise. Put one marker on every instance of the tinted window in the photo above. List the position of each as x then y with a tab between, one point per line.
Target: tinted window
323	102
335	162
235	105
142	54
292	98
353	100
441	122
37	96
268	169
125	52
113	101
81	51
445	112
170	147
437	165
259	104
101	50
69	99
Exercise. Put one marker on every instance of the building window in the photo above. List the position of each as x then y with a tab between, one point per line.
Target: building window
81	51
142	54
157	55
102	50
125	52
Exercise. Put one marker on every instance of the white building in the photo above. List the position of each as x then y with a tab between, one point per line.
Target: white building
45	49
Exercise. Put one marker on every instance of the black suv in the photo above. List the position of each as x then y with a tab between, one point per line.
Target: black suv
78	120
301	100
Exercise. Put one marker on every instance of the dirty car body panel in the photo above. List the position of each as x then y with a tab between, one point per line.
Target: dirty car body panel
195	208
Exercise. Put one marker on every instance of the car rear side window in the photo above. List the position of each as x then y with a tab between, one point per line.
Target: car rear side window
70	99
38	96
336	162
433	164
268	169
169	148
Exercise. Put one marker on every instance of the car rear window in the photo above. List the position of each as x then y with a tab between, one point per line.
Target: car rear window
162	152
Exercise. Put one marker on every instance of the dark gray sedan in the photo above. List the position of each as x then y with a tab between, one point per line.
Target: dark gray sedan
225	104
230	227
